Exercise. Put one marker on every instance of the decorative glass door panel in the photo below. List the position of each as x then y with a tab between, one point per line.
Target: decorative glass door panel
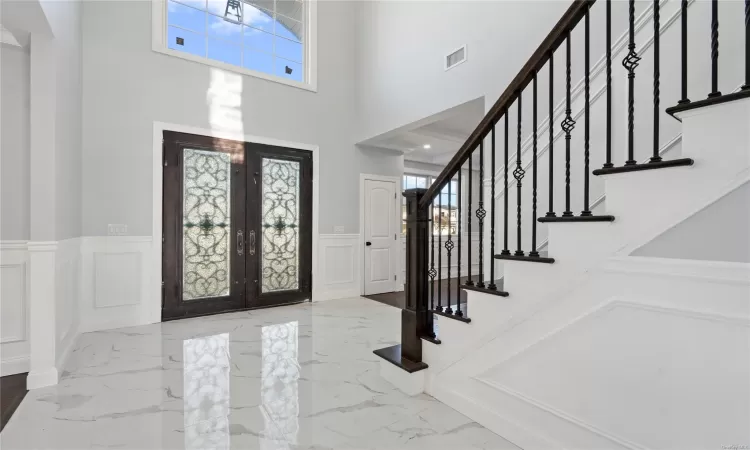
280	216
206	224
237	228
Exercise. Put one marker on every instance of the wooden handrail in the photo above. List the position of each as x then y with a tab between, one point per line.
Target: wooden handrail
557	36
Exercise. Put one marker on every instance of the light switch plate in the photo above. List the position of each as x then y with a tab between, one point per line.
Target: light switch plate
338	229
117	229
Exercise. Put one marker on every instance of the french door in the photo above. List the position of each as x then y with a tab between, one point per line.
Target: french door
237	225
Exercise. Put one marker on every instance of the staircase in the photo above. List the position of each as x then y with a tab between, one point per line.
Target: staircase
584	345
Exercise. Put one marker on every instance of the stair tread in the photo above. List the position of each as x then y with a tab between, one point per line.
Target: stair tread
498	291
542	258
597	218
441	312
682	162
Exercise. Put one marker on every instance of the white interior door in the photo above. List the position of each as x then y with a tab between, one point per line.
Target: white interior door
381	243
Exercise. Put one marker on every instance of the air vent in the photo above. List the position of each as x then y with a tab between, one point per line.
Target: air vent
455	58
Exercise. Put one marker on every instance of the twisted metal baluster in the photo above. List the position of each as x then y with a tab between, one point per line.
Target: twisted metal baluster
657	31
534	252
684	39
746	86
492	218
586	112
608	162
714	49
567	126
630	62
518	175
440	254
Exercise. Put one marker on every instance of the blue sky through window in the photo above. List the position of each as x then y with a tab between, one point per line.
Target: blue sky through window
259	43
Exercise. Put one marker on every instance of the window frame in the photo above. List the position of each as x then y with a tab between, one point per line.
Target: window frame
160	28
431	179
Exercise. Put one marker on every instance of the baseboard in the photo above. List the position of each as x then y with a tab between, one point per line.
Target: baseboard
42	378
12	366
324	295
67	344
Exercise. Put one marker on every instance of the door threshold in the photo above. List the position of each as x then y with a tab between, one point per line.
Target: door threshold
230	311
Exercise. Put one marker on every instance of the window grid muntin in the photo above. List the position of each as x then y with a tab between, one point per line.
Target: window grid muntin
452	201
272	15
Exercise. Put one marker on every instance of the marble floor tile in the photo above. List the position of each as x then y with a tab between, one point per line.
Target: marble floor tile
295	377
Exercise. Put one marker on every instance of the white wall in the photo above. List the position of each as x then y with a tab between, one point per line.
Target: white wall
14	150
720	232
128	87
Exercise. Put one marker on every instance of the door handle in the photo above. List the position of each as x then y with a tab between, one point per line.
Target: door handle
368	243
251	242
240	243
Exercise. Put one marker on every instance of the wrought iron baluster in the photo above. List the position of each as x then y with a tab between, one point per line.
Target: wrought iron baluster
449	250
481	213
505	251
586	113
551	212
714	49
469	281
657	31
440	254
432	273
684	39
608	162
518	175
567	125
533	252
630	62
492	285
460	237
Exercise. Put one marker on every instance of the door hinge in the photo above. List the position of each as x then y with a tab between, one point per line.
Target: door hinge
394	195
164	153
394	277
395	238
162	294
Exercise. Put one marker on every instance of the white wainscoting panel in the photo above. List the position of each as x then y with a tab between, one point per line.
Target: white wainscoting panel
14	308
115	279
339	267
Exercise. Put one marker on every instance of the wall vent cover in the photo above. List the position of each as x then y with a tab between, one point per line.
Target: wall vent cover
455	58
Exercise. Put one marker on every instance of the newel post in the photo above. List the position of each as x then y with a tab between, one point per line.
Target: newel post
416	320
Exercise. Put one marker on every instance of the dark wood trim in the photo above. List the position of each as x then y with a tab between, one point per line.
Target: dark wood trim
604	218
569	20
535	259
687	106
394	356
683	162
12	391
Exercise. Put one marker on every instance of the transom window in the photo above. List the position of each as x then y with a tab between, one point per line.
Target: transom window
266	36
445	211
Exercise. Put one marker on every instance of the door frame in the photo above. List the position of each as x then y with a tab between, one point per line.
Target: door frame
397	208
153	308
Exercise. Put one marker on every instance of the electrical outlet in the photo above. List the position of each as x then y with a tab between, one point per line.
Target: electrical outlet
338	229
117	229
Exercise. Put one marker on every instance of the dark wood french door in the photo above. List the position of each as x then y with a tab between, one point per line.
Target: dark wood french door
237	225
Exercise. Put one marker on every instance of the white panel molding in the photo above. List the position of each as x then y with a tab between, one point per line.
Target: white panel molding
115	282
67	294
339	267
42	309
14	307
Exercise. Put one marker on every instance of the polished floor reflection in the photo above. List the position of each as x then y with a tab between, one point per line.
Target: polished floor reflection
296	377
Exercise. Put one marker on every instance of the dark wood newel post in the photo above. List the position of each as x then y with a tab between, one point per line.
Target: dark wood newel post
416	320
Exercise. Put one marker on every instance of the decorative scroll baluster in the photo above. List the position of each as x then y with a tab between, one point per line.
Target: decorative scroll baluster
460	237
551	212
481	213
586	113
630	62
567	126
505	251
518	175
714	49
469	281
657	31
492	285
608	163
432	273
684	39
746	86
449	251
533	252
